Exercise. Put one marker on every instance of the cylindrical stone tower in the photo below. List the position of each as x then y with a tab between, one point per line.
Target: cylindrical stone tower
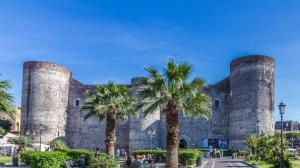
252	98
44	100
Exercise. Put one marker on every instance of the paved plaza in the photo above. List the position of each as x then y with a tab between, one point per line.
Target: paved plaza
225	162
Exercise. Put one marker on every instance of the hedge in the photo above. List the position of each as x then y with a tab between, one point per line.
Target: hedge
185	156
104	161
189	157
75	154
44	159
57	159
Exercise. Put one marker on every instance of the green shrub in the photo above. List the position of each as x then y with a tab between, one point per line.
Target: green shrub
59	145
185	156
2	132
228	153
104	161
6	125
56	159
44	159
251	157
75	154
26	156
241	154
189	157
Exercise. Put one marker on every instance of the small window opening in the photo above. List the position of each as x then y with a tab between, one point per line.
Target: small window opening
77	103
217	103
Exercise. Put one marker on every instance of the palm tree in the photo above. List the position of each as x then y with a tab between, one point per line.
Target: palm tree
6	99
22	142
252	143
172	92
109	102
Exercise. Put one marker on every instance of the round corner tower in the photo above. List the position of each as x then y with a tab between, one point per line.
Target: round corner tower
44	100
252	98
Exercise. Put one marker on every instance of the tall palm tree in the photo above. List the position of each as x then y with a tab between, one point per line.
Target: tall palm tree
109	102
172	92
6	99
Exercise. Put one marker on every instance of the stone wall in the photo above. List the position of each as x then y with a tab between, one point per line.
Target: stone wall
89	133
195	130
140	125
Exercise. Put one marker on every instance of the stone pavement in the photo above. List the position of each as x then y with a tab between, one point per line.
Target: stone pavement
225	162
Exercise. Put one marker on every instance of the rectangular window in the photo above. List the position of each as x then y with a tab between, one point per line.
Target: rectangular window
77	103
217	103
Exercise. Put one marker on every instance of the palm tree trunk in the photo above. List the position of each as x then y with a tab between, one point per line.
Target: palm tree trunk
172	135
110	132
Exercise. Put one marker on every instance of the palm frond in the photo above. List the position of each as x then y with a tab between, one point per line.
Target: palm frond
184	70
6	99
107	97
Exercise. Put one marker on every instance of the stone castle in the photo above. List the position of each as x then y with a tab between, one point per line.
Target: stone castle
242	104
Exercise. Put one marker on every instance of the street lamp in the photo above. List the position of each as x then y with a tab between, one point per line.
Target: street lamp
151	134
281	107
39	129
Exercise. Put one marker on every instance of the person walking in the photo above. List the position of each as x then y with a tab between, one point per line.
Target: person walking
119	154
136	163
122	152
128	162
97	153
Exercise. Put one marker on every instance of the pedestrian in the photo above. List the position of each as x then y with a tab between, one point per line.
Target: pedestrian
119	154
128	162
210	151
97	153
214	152
122	152
81	162
136	163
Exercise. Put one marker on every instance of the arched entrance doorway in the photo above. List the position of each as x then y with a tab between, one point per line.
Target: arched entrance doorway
183	144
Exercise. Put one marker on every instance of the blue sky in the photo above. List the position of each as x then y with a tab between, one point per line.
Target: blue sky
114	40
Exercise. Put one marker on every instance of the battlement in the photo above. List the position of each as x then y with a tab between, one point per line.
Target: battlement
251	59
46	65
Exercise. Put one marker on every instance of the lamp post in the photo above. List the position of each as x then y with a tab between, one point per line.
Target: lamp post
39	130
281	107
151	134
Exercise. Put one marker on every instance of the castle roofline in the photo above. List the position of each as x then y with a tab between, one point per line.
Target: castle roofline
250	59
46	65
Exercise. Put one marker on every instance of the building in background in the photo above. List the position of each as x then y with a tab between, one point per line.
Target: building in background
288	126
15	121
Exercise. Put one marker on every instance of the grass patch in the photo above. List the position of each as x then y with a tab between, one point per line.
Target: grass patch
296	163
260	164
5	159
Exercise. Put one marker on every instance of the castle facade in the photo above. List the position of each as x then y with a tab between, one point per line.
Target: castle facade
242	104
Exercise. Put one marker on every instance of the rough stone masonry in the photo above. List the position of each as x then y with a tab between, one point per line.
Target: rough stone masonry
242	104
